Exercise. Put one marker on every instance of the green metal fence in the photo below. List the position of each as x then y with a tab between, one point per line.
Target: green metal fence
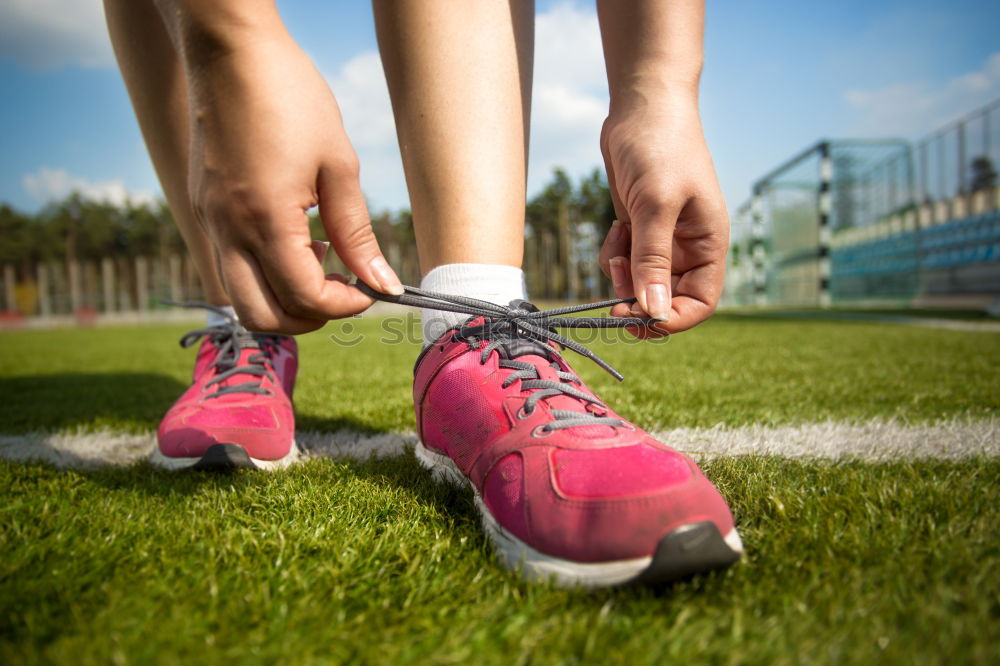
876	221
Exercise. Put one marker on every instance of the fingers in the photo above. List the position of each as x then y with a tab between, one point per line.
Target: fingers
320	249
296	277
621	277
621	280
253	299
347	224
271	268
652	250
620	211
701	241
680	290
618	243
692	304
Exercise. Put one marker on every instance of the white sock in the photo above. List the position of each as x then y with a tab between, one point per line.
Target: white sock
216	319
487	282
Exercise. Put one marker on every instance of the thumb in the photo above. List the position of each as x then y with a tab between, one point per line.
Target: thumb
348	226
652	243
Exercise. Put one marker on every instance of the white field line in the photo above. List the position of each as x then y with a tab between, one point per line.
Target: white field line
872	441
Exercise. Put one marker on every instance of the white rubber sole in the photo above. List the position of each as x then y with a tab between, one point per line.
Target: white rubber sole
157	459
535	565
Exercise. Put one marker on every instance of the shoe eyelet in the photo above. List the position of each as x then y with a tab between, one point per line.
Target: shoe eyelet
540	431
523	413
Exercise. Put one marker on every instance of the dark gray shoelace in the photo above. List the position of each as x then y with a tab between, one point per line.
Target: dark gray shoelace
231	339
522	329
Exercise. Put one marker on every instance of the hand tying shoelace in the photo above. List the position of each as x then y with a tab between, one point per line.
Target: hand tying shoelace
521	319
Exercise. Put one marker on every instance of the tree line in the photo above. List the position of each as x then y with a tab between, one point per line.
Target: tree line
564	225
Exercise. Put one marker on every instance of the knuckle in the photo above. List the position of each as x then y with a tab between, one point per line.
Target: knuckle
652	201
650	260
255	321
608	134
298	304
605	140
358	236
237	208
346	167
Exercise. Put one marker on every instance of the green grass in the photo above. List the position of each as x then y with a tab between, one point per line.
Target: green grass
339	561
372	562
731	370
835	312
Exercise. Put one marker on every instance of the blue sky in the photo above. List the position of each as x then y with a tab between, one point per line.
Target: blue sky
778	77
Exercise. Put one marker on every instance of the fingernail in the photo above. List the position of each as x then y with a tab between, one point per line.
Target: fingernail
616	232
658	301
619	275
320	249
387	279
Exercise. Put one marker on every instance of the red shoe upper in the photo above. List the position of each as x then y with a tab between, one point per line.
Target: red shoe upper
238	395
598	490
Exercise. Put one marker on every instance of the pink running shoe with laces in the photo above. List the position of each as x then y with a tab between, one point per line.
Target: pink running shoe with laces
567	489
238	411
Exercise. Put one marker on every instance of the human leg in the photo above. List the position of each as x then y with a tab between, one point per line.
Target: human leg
566	488
155	81
459	76
238	409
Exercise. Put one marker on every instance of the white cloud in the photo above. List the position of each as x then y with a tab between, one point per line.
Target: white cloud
570	99
44	34
363	97
913	108
47	185
569	104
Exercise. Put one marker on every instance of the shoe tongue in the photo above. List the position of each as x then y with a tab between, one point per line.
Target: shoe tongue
519	346
248	340
249	345
516	345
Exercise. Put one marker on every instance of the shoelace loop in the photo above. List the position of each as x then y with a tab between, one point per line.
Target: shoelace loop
521	319
503	326
231	338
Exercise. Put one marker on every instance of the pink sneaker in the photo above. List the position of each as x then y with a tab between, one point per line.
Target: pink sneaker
566	488
238	411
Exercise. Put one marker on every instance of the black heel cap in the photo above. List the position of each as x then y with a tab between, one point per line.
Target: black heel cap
225	458
688	550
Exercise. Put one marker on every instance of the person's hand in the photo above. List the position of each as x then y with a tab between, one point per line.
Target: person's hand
668	247
268	144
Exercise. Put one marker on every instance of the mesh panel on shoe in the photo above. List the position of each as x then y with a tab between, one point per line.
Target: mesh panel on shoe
233	417
618	472
589	432
466	418
504	494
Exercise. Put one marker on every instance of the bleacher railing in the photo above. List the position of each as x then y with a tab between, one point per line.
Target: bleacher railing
876	222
